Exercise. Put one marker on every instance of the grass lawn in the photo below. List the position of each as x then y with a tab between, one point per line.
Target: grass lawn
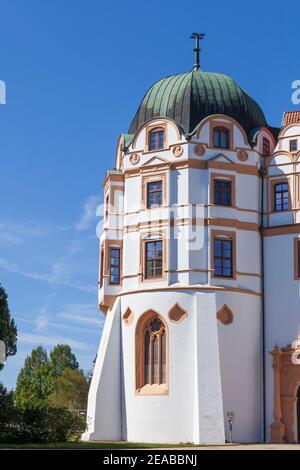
91	445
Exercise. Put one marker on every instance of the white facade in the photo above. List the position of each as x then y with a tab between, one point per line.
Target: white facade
214	360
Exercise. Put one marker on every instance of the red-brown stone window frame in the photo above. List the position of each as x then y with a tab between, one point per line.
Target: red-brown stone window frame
272	185
225	236
152	355
152	129
114	266
222	177
108	245
266	147
297	258
153	177
152	237
215	125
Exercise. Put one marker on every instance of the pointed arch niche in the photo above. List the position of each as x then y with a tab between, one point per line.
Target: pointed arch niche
225	315
152	351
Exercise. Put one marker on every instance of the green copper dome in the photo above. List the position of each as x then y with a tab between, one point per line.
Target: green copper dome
190	97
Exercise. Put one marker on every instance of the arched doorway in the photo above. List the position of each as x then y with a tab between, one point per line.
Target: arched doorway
286	410
298	413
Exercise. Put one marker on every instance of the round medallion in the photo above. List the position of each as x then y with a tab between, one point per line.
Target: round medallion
134	159
242	155
177	151
199	150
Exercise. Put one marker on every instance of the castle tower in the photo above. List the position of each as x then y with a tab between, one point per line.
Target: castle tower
282	274
180	269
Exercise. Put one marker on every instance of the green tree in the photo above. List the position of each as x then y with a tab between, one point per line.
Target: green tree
8	329
61	357
34	382
6	404
70	390
36	379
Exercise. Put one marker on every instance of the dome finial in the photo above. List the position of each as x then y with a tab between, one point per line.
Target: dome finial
197	36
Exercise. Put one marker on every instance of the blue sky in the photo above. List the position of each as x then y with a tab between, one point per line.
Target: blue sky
75	71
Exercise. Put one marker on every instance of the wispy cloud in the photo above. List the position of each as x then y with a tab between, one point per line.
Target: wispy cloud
61	274
88	215
83	313
51	340
16	234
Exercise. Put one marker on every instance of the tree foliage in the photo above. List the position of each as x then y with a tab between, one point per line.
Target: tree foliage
70	390
36	379
41	425
8	329
61	357
34	383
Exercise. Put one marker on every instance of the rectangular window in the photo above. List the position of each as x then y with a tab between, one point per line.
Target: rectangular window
156	139
223	258
281	197
266	147
153	259
222	192
154	194
298	258
106	206
221	137
293	145
114	265
101	267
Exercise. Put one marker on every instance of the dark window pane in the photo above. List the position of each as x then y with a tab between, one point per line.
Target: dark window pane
222	192
153	261
223	258
156	140
147	359
281	196
114	266
163	358
155	361
293	145
221	137
154	194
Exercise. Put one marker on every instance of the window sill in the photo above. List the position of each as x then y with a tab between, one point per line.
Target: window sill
154	389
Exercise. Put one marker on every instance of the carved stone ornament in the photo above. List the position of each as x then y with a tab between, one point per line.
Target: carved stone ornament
134	159
199	150
177	151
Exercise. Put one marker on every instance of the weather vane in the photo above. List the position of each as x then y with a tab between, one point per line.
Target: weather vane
198	37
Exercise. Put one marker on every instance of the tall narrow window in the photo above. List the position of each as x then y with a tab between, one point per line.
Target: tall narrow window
154	194
151	351
293	145
298	260
281	197
114	265
156	139
153	259
106	206
222	192
221	137
101	267
223	259
266	147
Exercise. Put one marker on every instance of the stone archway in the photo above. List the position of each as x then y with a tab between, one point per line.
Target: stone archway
286	366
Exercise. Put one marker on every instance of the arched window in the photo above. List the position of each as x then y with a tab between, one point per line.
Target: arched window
151	354
266	147
156	138
221	137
